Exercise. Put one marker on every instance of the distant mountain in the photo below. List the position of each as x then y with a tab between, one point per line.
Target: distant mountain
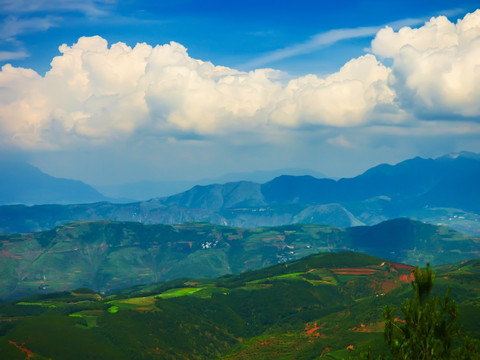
104	255
22	183
439	191
145	190
449	181
260	176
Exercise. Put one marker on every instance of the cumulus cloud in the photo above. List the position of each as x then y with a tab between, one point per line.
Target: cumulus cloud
98	93
435	71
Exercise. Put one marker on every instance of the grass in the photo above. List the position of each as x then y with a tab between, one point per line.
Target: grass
36	304
90	321
178	292
113	309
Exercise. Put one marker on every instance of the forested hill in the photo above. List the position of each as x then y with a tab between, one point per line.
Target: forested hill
105	256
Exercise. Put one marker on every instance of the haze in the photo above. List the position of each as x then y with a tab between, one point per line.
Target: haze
110	92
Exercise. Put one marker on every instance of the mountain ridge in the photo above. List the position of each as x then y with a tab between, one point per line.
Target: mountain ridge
105	255
26	184
439	191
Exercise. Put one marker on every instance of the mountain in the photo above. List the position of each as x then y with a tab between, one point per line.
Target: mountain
321	306
448	181
145	190
105	256
259	176
22	183
439	191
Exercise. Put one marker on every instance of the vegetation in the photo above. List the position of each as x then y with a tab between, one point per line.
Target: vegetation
324	306
429	328
106	256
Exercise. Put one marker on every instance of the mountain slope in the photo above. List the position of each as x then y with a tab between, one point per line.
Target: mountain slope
324	304
22	183
105	256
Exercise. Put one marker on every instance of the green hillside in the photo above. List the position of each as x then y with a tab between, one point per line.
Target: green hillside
106	256
325	306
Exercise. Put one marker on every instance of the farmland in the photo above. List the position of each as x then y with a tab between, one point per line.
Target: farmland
328	304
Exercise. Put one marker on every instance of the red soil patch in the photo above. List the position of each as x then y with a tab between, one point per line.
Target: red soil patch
311	330
22	348
361	328
402	266
407	279
266	342
388	286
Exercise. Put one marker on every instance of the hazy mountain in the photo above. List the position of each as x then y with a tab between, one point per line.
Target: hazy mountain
145	190
260	176
448	181
216	197
22	183
104	255
439	191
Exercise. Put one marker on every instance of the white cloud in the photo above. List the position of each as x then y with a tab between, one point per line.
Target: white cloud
88	7
340	141
13	26
341	99
316	42
97	93
13	55
436	67
326	39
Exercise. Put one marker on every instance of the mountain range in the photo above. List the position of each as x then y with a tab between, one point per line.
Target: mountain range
105	255
145	190
22	183
441	191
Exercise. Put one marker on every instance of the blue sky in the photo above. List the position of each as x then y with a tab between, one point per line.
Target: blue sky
230	33
161	114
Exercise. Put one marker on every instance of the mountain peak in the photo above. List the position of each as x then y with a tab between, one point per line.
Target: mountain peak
461	154
23	183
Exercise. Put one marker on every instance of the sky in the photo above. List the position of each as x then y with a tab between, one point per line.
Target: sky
116	91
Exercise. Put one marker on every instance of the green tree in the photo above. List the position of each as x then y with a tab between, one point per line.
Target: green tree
429	329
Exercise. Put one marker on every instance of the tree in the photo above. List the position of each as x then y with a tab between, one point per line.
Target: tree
429	329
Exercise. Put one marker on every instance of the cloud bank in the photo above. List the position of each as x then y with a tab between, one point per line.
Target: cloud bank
436	70
95	93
